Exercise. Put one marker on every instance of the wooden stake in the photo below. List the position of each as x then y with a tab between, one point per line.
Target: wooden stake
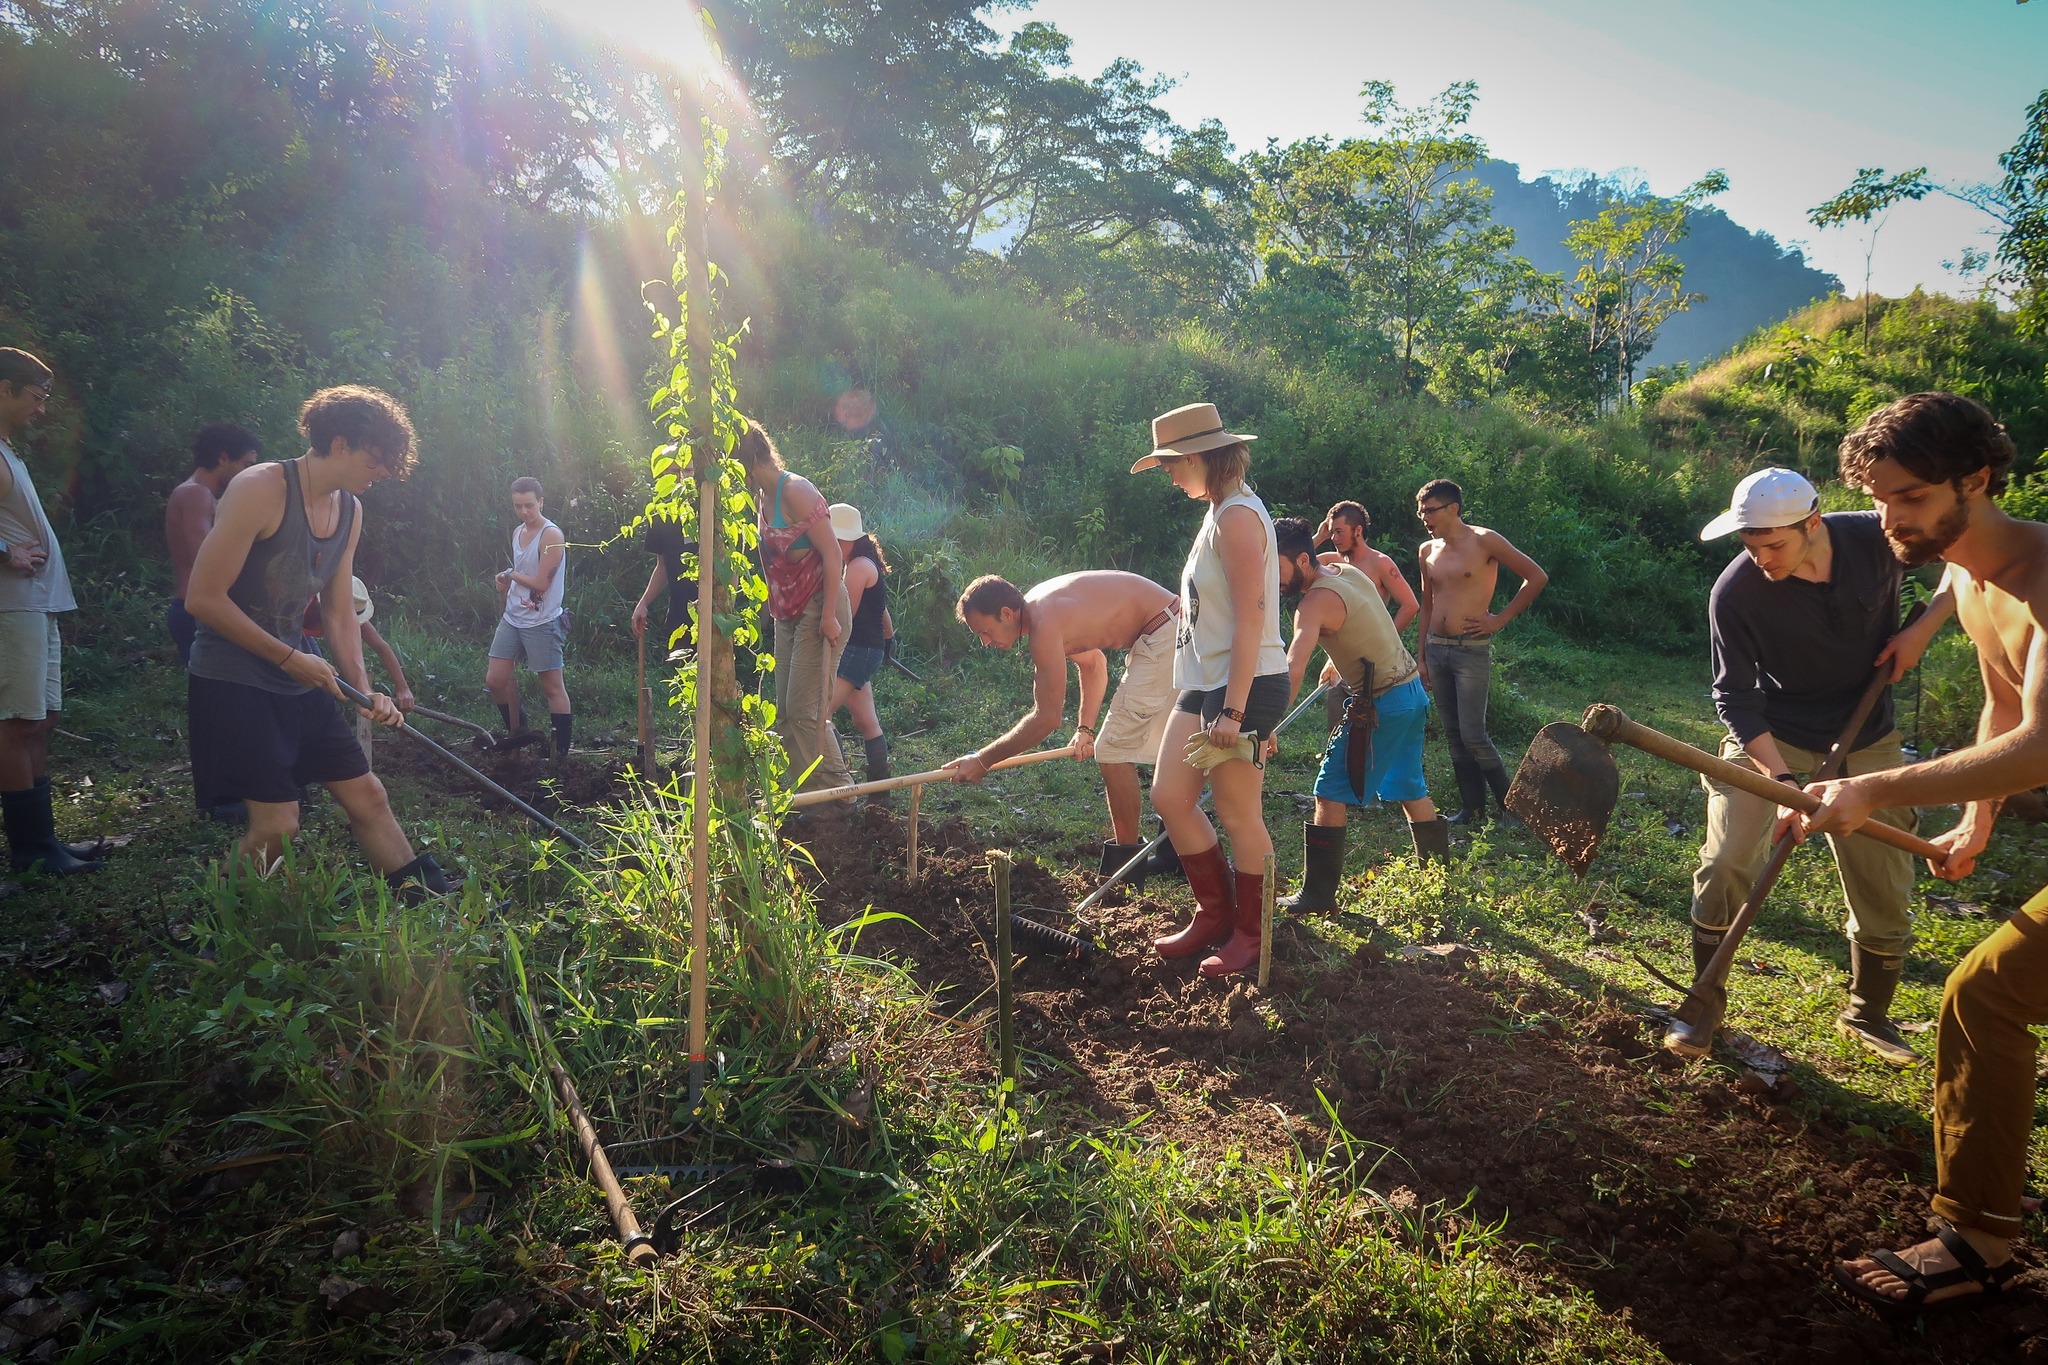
1006	1023
646	717
705	466
1266	926
910	873
639	1247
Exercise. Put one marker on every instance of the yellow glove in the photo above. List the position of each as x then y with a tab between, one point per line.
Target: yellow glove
1206	756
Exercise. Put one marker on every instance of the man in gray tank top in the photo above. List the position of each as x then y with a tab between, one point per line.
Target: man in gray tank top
261	703
34	591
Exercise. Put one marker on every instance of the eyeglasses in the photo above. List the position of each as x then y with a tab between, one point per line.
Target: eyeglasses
41	391
1421	511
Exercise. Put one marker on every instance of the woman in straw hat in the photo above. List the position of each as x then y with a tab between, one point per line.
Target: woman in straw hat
868	641
1231	668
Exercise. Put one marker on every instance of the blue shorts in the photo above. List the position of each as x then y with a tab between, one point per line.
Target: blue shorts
1395	770
858	663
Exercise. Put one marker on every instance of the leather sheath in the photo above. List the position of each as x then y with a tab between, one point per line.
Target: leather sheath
1361	716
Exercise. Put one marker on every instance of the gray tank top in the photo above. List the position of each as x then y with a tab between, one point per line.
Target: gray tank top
284	571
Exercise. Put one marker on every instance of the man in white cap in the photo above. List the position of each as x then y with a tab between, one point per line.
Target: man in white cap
1800	619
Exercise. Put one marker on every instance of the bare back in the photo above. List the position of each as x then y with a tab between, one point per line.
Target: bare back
188	516
1094	609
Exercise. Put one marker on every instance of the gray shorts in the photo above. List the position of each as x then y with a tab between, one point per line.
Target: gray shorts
540	646
31	665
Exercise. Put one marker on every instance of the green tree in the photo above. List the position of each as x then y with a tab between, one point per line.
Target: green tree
2023	246
1629	283
1867	200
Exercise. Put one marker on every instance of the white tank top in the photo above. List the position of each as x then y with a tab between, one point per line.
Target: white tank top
527	561
1201	654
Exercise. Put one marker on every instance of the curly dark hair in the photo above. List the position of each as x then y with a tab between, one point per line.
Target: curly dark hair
364	418
1939	437
219	441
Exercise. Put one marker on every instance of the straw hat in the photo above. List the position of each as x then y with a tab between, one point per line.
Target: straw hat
846	522
365	608
1188	430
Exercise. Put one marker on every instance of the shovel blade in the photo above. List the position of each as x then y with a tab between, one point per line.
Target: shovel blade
1565	790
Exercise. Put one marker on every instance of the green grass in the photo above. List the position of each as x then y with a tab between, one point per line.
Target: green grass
383	1068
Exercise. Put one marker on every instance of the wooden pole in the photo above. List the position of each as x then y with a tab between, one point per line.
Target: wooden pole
639	1247
910	871
646	710
1006	1024
889	784
704	786
1266	926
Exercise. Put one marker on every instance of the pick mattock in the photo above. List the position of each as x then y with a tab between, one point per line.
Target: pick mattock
1565	790
1699	1015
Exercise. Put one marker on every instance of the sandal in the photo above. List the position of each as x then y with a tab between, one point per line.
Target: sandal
1970	1268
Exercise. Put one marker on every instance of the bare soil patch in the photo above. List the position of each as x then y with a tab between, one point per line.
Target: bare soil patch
1705	1211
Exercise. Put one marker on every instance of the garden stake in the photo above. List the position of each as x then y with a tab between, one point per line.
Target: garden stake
1138	859
910	874
1699	1016
999	868
406	729
639	1246
889	784
1266	926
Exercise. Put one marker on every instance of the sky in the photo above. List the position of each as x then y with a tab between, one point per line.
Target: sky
1790	97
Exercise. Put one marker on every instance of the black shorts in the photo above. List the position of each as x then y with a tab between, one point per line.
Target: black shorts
253	745
1264	706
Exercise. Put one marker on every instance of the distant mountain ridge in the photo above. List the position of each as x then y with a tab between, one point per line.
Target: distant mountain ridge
1749	279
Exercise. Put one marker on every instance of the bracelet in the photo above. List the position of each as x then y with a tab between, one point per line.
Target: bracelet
288	653
1232	713
1087	730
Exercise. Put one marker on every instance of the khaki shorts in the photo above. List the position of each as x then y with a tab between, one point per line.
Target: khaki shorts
1136	722
31	669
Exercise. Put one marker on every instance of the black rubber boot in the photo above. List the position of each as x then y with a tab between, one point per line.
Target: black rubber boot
1499	781
1322	867
1873	980
1705	943
418	880
32	835
1471	793
1165	860
878	768
93	851
1115	856
1432	839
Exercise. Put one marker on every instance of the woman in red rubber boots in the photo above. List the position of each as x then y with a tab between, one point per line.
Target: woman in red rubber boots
1232	671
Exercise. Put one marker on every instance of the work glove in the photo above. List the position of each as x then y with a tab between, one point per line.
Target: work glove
1203	754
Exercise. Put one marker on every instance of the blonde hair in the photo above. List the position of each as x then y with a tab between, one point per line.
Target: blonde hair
1224	470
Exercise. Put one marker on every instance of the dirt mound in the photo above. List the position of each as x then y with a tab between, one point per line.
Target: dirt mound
1706	1211
577	782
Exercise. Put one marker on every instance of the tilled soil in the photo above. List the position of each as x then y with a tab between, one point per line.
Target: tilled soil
582	781
1702	1205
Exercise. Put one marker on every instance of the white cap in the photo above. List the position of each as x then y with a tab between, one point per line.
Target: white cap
365	608
1767	498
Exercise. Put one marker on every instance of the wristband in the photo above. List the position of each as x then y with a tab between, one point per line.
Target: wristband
288	653
1087	730
1232	713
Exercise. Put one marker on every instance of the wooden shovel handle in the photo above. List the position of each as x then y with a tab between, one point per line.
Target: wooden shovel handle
1611	723
889	784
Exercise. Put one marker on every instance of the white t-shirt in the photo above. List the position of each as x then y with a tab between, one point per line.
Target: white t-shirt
1201	656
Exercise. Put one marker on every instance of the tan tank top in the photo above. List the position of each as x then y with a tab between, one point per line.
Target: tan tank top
1368	632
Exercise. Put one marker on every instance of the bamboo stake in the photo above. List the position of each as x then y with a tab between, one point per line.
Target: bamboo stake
1266	926
910	873
703	787
1006	1023
646	716
889	784
639	1246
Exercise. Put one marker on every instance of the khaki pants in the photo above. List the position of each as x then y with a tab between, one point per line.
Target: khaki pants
1877	881
1984	1073
804	668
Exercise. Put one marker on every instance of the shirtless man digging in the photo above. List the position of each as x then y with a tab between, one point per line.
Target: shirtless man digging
1380	754
1461	566
1075	618
1346	529
261	710
1933	462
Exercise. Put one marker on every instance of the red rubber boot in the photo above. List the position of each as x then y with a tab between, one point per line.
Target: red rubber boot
1242	952
1209	878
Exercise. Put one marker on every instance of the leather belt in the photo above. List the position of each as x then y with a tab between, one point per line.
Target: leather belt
1159	618
1461	641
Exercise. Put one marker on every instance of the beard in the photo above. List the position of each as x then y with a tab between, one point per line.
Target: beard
1914	549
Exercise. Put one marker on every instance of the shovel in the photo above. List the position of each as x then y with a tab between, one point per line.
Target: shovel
1692	1030
1566	787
